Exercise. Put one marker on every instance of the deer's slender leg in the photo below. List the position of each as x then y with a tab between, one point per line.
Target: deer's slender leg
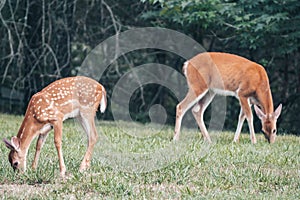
87	121
190	99
57	125
245	106
242	118
198	112
39	144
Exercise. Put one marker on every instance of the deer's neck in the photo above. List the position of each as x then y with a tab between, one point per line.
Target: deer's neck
27	132
266	101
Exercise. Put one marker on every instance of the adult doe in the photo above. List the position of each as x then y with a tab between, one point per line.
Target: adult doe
213	73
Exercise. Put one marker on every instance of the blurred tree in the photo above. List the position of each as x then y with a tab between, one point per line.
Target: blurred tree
44	40
36	44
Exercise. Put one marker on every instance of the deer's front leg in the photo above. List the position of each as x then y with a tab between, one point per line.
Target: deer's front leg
242	118
57	125
247	111
39	144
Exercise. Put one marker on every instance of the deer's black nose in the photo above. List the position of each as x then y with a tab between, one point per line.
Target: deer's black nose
15	165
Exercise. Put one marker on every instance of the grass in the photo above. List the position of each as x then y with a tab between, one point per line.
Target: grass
134	162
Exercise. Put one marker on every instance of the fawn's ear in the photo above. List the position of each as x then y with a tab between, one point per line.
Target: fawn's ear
278	111
13	144
8	144
259	113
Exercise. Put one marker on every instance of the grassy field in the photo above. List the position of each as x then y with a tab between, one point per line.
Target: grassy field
135	162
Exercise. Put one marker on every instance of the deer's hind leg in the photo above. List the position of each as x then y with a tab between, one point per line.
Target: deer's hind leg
198	112
57	126
87	121
198	88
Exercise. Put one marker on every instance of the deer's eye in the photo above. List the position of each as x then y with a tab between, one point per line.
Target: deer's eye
274	131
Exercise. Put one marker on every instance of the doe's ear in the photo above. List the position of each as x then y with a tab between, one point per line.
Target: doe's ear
278	111
259	112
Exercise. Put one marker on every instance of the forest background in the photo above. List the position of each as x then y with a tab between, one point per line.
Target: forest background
44	40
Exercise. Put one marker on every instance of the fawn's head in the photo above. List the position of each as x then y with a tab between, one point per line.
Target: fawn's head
268	122
15	157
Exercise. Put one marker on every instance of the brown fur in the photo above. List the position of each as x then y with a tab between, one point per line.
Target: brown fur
66	98
230	75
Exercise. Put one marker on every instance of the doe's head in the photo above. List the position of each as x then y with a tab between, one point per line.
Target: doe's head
15	157
268	122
